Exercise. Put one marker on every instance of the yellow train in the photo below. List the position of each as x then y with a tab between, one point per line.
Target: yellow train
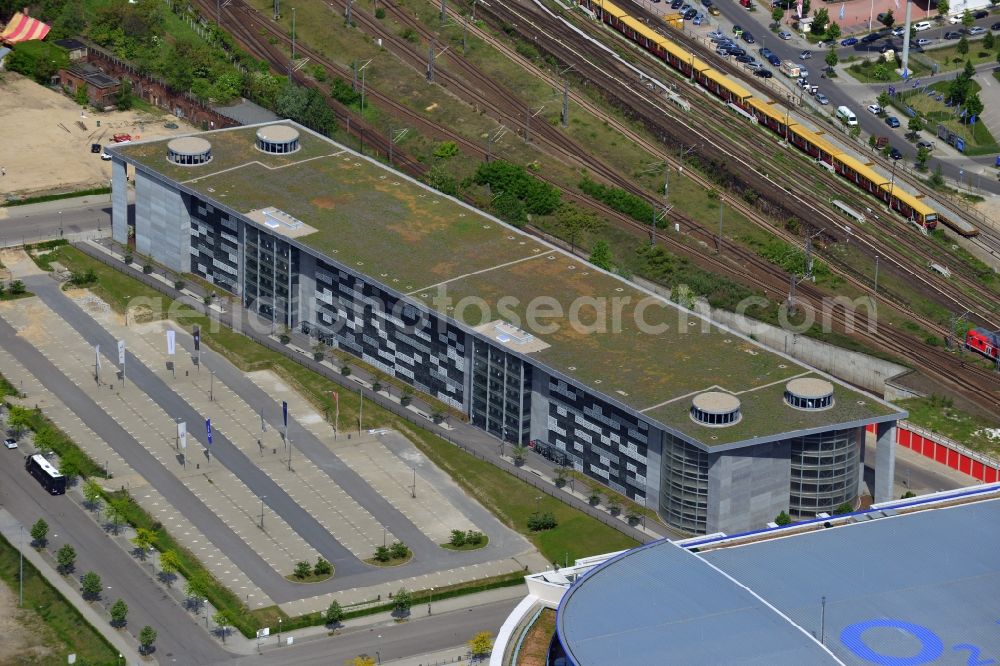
767	113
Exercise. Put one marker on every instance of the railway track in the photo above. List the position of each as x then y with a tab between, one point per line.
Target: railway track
242	29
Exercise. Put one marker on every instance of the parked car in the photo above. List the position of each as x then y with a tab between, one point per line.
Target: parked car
774	60
714	11
923	41
850	41
981	14
895	154
737	30
881	142
745	59
919	26
875	108
924	143
899	30
706	3
805	55
10	443
716	36
892	121
676	4
105	156
995	26
95	147
871	37
748	38
803	73
822	99
763	73
785	35
699	19
751	64
952	35
690	14
976	30
886	47
766	53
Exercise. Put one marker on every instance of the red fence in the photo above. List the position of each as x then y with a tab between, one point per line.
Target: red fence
946	452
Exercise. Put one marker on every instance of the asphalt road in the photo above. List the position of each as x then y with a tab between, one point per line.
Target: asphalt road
757	22
44	221
179	638
398	640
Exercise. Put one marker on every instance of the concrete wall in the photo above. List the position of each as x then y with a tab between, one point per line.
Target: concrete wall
119	201
162	223
747	489
853	367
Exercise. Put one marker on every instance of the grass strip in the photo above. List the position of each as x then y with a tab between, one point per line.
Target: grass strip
56	197
67	625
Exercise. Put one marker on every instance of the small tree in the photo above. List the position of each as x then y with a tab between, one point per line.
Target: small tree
600	255
334	613
407	396
481	644
170	564
322	568
401	602
594	494
887	19
146	639
143	541
942	8
832	58
915	125
116	513
777	14
989	42
302	569
66	557
833	32
538	522
967	19
39	532
908	494
221	618
963	46
119	611
196	588
90	585
457	538
518	451
399	550
382	554
937	178
883	99
922	156
632	519
783	519
561	477
474	538
614	505
17	288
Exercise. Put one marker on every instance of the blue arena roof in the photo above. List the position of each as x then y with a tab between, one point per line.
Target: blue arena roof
915	588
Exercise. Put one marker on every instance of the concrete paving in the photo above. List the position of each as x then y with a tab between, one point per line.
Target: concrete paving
447	568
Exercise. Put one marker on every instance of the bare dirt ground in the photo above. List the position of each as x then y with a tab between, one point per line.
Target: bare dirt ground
20	643
45	149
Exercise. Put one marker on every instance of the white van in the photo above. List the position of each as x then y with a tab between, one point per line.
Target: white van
922	25
846	116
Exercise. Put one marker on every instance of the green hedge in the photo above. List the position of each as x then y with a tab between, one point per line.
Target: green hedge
49	437
419	597
56	197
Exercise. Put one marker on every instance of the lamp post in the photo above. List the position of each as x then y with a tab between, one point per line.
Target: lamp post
262	498
20	575
211	387
430	599
378	655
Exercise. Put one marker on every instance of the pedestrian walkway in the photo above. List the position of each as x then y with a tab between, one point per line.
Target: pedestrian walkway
11	529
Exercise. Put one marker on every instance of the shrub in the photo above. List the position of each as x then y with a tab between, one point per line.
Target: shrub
474	538
127	258
382	554
457	538
302	569
541	521
783	519
399	550
380	13
322	568
334	613
147	268
179	284
345	370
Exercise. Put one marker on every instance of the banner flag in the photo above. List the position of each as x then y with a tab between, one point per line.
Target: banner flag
182	435
171	342
121	352
208	430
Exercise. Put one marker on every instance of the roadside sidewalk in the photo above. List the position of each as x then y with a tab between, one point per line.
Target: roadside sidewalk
237	644
11	529
458	654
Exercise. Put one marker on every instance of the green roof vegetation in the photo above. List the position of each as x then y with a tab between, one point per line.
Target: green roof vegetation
599	329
